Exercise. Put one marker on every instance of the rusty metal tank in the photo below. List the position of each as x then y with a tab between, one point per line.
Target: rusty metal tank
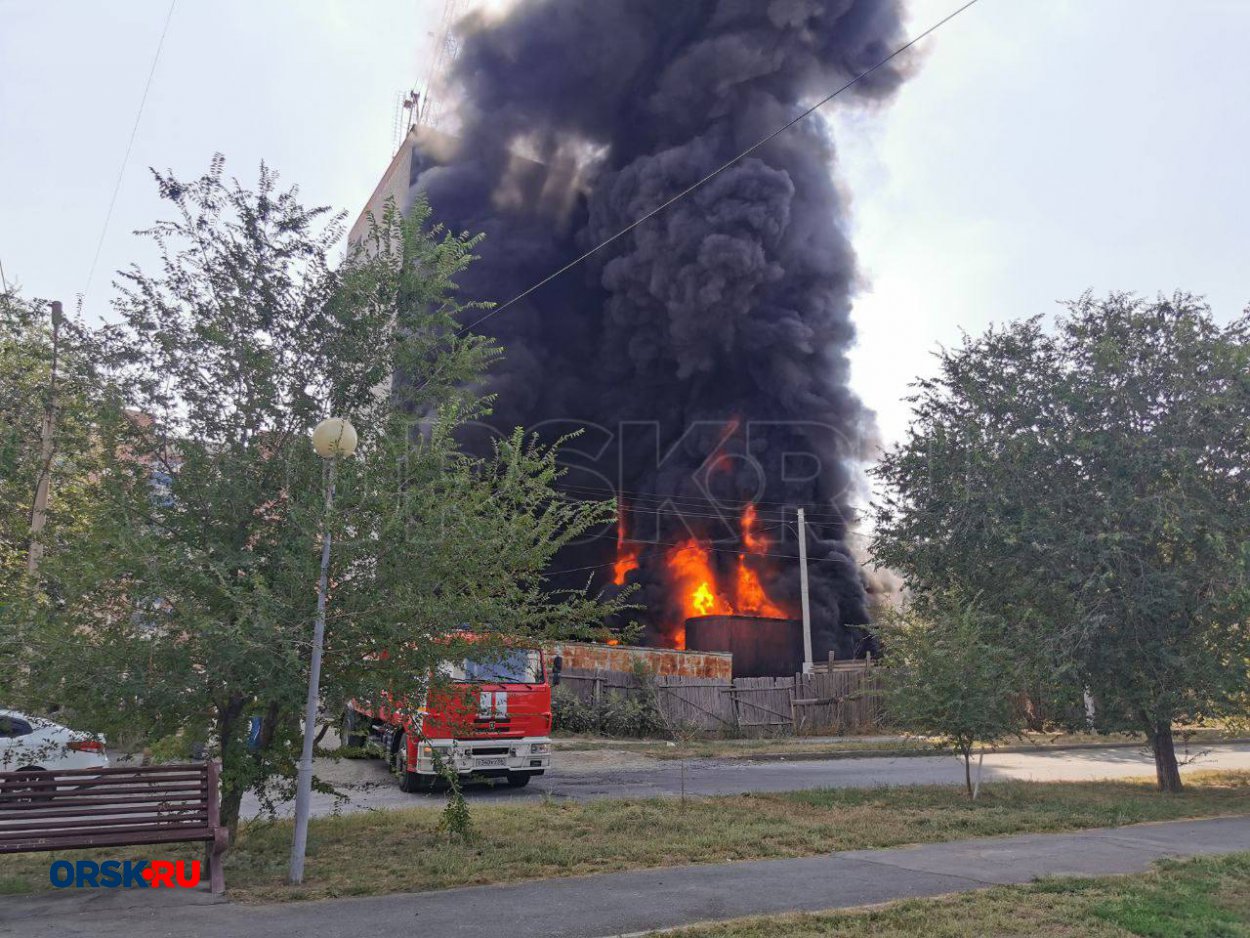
659	661
761	647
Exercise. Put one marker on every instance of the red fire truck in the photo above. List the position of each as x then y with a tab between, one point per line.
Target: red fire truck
489	718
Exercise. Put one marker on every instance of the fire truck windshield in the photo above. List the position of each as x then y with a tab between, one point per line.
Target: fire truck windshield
513	666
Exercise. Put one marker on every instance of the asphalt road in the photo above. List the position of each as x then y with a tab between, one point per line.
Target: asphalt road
585	776
634	901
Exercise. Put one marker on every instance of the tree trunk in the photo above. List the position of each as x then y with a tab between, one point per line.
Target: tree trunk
231	802
1167	772
231	791
268	727
1034	718
967	754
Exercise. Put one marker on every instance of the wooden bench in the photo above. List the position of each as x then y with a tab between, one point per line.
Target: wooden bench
116	807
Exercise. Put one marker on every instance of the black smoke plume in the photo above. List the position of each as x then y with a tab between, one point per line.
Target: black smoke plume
705	350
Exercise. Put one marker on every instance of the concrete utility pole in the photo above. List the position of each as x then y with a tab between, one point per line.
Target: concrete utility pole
807	609
39	512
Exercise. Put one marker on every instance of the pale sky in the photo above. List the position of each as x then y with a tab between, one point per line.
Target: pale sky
1043	147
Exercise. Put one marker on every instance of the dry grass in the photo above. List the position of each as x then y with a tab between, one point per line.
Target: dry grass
1205	898
403	850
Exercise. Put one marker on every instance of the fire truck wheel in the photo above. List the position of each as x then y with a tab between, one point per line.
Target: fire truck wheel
408	781
519	779
349	737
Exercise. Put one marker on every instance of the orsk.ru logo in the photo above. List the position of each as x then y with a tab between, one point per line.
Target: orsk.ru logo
125	874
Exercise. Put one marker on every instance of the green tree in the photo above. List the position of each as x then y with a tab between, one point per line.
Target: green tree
25	365
949	678
187	604
26	393
1089	485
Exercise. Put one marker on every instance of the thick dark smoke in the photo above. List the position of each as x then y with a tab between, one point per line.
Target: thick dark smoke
722	325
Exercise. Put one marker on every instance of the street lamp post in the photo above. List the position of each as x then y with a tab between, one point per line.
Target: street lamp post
333	438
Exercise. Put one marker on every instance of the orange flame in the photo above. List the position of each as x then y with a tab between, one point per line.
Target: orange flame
626	555
752	600
691	565
751	595
755	543
720	461
700	592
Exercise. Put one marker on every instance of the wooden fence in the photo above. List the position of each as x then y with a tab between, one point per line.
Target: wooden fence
764	705
842	699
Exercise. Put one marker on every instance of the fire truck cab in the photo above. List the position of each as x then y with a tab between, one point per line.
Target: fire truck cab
486	719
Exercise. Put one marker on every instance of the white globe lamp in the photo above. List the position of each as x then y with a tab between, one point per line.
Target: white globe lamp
334	437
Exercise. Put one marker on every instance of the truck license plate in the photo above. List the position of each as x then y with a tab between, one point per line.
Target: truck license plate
490	763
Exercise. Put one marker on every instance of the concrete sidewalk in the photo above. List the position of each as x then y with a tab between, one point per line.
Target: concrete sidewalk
621	903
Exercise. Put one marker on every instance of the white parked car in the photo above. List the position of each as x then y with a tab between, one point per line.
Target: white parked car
30	742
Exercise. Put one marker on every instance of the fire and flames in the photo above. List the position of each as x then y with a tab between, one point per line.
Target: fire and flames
701	589
752	600
626	554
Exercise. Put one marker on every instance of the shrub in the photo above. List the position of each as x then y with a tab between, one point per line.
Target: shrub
629	713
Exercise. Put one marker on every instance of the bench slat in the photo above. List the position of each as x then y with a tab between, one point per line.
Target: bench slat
44	803
150	770
47	794
57	824
172	778
86	840
53	810
185	789
41	802
53	782
105	828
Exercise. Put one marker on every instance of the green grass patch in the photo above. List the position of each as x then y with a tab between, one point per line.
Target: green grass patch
1202	898
15	885
1208	897
404	850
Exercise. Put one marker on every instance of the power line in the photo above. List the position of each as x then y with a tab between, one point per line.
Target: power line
630	499
134	130
681	512
720	169
678	510
698	507
593	566
736	551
